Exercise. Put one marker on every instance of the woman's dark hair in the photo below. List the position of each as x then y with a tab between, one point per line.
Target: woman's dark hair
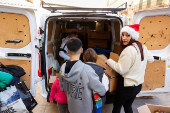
122	47
90	55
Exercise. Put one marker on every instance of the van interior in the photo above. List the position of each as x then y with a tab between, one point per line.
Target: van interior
92	32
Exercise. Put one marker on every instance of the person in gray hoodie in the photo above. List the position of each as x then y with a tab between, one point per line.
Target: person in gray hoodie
78	80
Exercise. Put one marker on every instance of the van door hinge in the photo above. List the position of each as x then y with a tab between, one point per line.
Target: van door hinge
38	37
38	47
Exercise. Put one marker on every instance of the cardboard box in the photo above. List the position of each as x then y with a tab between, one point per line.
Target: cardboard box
112	75
100	43
101	61
52	78
148	108
114	56
112	83
100	35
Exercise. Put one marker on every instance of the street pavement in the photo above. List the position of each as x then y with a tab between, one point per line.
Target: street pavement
45	107
159	99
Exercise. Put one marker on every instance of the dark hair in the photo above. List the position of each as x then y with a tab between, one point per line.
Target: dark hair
73	33
74	44
122	47
90	55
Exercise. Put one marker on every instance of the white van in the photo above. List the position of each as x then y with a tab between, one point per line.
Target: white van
155	34
20	44
18	33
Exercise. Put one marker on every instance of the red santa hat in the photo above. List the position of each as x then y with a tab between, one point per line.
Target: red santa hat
132	30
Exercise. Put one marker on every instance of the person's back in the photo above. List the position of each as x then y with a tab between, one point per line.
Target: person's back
57	94
78	80
90	58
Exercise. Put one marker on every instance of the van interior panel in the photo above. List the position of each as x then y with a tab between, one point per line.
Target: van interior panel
50	48
58	44
99	26
50	28
56	40
25	64
18	28
57	33
116	49
155	32
109	27
117	31
154	75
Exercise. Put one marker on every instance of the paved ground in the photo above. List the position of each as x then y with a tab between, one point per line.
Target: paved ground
45	107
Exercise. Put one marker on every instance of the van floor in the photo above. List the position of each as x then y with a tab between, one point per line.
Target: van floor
45	107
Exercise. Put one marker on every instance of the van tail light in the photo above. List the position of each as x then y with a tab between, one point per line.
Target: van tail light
39	68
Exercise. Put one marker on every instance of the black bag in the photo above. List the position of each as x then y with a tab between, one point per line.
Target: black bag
26	96
15	70
15	80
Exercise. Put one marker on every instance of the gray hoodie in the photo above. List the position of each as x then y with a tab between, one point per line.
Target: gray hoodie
78	85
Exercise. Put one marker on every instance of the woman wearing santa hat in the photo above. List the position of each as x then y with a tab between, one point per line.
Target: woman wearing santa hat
131	66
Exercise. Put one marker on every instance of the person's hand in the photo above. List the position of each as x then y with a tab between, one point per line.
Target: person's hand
105	61
51	102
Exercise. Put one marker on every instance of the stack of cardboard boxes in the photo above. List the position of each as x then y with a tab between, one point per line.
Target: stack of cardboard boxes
98	38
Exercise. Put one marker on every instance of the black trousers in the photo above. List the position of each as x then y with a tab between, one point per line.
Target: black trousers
124	96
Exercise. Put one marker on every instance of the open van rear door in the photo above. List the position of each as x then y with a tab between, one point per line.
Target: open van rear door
18	40
155	34
62	13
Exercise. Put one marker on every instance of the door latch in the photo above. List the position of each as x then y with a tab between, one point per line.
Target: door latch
19	55
13	41
157	57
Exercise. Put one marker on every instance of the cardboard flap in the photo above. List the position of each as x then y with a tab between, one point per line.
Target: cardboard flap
153	108
103	57
149	108
111	74
143	109
52	79
114	56
101	62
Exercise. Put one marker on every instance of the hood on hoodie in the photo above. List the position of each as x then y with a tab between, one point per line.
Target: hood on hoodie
74	73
